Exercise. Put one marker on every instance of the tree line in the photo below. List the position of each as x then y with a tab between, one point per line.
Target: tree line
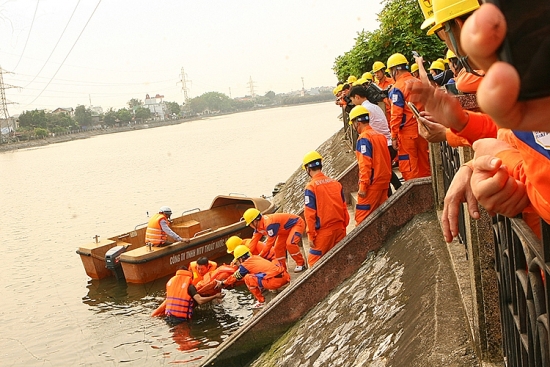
399	31
40	124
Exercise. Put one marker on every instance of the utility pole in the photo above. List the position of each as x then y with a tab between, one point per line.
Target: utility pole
184	88
303	88
229	92
251	86
5	120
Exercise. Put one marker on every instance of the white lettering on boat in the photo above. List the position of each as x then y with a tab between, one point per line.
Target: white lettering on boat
186	255
174	259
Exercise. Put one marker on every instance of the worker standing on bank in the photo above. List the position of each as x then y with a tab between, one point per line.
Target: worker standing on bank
412	149
158	229
384	82
373	159
283	231
326	213
258	274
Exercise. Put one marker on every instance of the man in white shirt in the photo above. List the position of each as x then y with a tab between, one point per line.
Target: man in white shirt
379	123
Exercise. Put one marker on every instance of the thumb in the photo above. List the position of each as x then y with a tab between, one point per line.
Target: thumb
487	163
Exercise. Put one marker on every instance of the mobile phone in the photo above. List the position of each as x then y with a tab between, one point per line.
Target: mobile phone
417	114
527	44
415	54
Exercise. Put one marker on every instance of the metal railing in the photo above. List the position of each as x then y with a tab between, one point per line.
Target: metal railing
522	265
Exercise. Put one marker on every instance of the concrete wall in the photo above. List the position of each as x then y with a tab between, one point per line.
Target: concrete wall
341	262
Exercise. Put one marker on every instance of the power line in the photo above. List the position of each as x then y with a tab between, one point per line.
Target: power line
28	35
74	44
55	47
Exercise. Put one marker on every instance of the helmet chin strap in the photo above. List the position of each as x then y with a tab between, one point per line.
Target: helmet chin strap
462	59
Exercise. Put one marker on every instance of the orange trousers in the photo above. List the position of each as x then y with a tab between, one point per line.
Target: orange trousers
290	242
413	157
368	204
256	284
325	240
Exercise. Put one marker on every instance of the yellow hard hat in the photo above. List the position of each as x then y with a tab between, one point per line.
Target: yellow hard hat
232	242
414	67
367	76
250	215
450	54
311	160
445	10
335	91
339	88
428	12
351	79
397	59
240	251
437	65
378	65
359	81
360	113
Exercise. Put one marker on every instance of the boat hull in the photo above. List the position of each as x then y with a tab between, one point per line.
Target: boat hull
208	230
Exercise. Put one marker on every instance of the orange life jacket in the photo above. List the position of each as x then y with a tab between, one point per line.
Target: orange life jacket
194	268
154	234
178	301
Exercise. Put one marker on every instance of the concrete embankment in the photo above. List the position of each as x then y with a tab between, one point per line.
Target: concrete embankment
384	296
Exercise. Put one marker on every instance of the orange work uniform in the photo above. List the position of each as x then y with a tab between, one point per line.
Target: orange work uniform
326	215
479	126
256	249
383	85
412	149
259	274
197	276
530	164
179	297
373	159
284	232
467	82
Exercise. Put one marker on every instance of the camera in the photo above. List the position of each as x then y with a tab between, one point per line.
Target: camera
375	94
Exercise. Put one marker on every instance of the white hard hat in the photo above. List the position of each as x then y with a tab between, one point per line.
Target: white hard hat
166	210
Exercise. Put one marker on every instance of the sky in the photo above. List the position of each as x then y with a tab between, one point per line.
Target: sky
65	53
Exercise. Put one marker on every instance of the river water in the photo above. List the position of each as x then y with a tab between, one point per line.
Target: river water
57	197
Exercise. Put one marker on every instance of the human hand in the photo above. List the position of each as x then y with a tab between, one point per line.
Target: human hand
442	107
431	130
395	144
220	295
490	146
495	189
497	95
362	193
219	284
459	191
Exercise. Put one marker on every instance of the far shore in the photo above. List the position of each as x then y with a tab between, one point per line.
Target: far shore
6	147
86	134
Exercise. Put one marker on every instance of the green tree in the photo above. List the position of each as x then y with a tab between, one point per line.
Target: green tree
83	115
399	31
110	118
123	115
134	103
173	107
40	133
142	113
33	119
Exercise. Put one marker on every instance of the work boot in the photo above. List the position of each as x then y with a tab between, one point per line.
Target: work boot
299	268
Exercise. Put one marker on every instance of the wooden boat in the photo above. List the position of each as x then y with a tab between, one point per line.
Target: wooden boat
130	258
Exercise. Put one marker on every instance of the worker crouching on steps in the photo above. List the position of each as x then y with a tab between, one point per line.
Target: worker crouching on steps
258	274
283	231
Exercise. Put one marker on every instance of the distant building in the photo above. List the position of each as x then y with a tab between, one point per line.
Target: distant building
156	106
66	110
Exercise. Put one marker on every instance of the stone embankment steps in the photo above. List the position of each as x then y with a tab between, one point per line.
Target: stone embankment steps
394	311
